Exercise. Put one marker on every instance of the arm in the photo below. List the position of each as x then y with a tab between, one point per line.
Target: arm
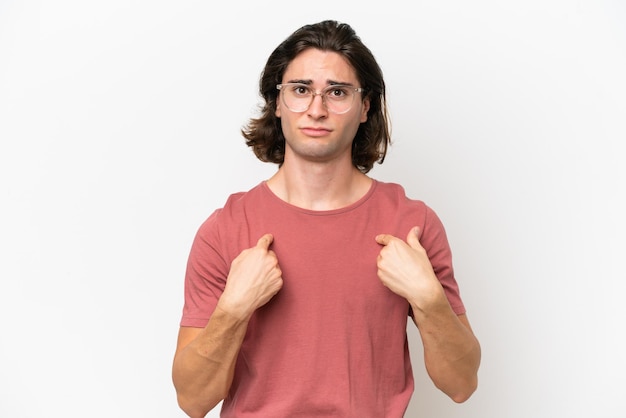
451	351
205	358
204	362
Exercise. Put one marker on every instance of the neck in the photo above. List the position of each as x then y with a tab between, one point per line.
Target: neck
319	186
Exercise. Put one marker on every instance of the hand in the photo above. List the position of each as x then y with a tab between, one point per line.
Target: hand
254	278
405	269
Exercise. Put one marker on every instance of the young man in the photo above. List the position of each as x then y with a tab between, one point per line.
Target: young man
298	291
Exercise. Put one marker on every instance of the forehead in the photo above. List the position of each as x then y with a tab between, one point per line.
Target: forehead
320	67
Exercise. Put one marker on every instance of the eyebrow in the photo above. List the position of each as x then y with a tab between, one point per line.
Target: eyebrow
308	82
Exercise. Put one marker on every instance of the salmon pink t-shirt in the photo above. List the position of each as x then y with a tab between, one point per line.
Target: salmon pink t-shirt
332	342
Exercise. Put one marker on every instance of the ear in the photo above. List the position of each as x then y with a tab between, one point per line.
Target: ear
277	111
365	109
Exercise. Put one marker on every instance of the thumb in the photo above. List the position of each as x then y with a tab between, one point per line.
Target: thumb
265	241
413	237
383	239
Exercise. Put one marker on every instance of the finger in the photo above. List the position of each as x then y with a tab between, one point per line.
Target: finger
265	241
413	237
384	239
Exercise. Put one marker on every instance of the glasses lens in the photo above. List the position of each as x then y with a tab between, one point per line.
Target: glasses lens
337	99
297	97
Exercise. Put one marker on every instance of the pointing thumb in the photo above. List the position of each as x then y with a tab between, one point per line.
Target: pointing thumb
265	241
412	238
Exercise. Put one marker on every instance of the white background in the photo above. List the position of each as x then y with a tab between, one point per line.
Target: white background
119	130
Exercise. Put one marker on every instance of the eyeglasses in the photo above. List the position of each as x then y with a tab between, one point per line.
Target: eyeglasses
337	98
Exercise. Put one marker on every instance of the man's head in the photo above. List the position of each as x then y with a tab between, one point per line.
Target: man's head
265	134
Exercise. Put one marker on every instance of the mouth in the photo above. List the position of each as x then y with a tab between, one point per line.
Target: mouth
315	131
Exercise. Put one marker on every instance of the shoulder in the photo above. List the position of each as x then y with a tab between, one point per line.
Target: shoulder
232	211
392	198
395	194
238	202
239	199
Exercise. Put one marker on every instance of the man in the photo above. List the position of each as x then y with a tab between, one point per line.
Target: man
298	291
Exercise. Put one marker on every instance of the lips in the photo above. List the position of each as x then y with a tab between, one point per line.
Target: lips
315	131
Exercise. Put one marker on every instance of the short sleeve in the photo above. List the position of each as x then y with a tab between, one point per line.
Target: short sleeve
435	241
206	274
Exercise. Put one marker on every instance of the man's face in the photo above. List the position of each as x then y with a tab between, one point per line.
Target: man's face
317	134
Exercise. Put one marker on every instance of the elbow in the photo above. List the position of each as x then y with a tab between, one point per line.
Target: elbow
197	403
465	392
194	414
196	400
193	409
467	382
464	395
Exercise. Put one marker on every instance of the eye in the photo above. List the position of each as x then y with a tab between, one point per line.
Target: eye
301	90
337	92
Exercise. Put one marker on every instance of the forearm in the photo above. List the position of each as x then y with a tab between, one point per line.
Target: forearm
203	369
451	351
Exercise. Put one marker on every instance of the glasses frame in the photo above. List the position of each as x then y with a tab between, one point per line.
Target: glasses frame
321	93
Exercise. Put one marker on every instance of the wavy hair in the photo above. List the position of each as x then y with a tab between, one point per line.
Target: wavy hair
265	135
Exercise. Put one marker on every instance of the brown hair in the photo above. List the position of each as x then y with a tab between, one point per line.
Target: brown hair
264	134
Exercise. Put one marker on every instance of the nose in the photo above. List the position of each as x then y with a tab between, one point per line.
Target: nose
317	107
